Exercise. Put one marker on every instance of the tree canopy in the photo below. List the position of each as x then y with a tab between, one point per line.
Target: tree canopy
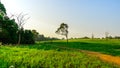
8	27
2	8
63	30
10	30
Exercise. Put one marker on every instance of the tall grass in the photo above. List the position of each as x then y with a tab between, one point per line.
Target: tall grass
36	57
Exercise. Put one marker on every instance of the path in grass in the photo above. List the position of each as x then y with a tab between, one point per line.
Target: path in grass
104	57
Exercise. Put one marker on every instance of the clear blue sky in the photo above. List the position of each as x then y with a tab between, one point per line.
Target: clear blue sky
84	17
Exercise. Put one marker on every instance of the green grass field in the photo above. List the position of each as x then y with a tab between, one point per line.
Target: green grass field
111	46
49	55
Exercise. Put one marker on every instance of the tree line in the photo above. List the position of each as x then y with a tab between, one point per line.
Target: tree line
12	31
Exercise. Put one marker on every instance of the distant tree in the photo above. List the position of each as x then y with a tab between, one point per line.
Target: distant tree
110	37
63	30
106	35
117	37
92	36
27	37
85	37
35	34
41	38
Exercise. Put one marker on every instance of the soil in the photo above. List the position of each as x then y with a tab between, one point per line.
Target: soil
104	57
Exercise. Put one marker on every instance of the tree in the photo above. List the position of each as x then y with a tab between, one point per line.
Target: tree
21	20
8	27
35	34
2	8
92	36
2	13
63	30
11	28
106	35
9	31
27	37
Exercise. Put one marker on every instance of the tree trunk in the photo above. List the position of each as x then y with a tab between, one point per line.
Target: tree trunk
19	39
67	38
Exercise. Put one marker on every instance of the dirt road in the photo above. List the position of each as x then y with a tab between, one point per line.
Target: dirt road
104	57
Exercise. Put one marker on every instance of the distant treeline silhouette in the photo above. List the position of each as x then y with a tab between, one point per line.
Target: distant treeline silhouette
109	37
43	38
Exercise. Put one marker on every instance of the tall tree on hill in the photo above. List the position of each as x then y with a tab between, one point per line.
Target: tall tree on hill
63	30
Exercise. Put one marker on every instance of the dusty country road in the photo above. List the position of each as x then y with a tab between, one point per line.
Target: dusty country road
104	57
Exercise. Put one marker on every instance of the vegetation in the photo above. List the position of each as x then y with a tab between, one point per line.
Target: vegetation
21	20
63	30
111	46
38	57
2	8
49	54
43	38
10	31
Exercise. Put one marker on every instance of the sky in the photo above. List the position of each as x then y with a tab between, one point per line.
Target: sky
84	17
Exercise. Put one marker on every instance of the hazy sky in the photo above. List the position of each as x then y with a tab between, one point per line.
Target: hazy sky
84	17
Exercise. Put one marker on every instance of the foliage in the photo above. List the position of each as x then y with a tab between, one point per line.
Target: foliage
24	57
35	34
3	64
10	31
117	37
8	27
20	20
85	37
27	37
63	30
2	8
43	38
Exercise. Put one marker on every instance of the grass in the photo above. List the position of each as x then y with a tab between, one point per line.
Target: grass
34	58
111	47
48	55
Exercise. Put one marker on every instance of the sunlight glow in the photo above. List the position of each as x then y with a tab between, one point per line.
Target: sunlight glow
83	17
